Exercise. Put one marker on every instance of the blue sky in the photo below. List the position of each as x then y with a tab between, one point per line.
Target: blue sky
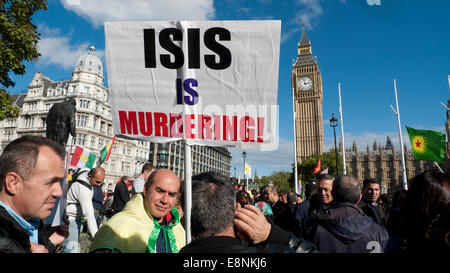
363	44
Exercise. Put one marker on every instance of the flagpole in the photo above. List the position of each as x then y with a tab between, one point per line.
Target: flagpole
187	190
295	143
437	165
397	113
342	131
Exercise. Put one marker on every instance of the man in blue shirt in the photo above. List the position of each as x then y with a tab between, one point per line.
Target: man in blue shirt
30	170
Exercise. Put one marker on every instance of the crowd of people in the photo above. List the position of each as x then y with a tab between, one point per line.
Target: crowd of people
337	214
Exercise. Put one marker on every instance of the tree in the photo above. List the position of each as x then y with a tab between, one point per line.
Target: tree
328	160
281	180
18	43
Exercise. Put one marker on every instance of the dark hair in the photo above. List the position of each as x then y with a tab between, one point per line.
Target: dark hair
147	167
21	156
243	198
346	189
426	212
398	198
369	180
213	204
123	178
310	190
291	197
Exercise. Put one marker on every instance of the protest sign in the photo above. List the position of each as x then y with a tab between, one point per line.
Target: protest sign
207	82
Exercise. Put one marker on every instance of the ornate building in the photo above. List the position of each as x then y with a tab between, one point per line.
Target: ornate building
93	116
307	91
384	164
94	125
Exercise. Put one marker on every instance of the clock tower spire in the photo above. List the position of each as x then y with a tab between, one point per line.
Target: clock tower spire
306	81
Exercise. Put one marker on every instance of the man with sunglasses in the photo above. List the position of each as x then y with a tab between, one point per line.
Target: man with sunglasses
79	204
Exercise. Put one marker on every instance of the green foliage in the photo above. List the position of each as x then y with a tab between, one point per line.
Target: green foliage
18	43
7	109
281	180
328	160
18	36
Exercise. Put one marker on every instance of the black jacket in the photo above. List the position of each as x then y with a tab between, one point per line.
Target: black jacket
344	228
376	213
121	197
283	217
15	239
218	244
303	211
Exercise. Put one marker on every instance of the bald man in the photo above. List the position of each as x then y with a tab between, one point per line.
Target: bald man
149	223
79	205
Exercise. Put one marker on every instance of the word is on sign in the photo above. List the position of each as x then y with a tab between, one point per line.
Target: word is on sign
165	77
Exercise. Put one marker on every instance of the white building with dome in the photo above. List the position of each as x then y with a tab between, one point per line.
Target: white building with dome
94	126
93	117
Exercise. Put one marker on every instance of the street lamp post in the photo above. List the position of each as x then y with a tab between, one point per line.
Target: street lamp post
234	171
244	155
334	123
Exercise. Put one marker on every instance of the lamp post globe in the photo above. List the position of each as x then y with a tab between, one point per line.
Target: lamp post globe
334	124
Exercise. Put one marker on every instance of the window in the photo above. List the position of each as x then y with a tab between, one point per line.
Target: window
74	89
82	120
113	165
84	104
92	141
100	143
81	139
86	89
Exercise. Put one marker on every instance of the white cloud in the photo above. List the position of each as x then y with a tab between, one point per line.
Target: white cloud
99	11
310	11
56	49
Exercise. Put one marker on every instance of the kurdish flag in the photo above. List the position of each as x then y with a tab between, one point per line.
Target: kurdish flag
82	158
427	145
106	151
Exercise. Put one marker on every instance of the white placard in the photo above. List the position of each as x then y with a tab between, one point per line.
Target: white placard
207	82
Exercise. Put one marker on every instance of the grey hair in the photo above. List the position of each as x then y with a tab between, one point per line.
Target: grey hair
213	204
346	188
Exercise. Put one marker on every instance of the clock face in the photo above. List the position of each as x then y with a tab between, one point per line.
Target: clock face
305	83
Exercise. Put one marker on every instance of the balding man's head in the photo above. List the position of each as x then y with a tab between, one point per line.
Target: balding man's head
160	192
96	176
346	189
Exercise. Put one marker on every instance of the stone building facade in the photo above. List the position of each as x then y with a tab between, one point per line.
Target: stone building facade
203	158
93	116
94	125
383	163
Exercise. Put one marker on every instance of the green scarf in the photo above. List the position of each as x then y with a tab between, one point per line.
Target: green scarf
168	236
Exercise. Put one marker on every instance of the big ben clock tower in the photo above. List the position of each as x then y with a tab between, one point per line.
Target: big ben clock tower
307	92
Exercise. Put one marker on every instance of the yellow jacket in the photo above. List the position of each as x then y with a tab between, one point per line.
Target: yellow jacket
134	230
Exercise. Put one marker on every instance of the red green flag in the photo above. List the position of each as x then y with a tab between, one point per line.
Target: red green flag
106	151
427	145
